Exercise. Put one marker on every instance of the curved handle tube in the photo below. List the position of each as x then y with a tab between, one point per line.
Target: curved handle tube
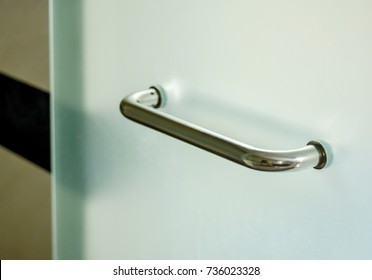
142	107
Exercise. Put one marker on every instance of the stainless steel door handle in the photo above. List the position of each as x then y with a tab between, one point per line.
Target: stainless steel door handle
142	107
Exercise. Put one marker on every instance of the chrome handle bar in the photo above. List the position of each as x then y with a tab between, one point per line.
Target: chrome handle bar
142	107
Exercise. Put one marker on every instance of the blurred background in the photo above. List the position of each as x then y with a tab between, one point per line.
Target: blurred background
25	208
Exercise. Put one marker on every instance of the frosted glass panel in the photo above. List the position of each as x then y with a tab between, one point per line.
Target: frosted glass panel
272	77
69	122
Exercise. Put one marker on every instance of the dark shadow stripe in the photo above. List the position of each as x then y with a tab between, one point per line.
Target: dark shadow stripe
25	121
